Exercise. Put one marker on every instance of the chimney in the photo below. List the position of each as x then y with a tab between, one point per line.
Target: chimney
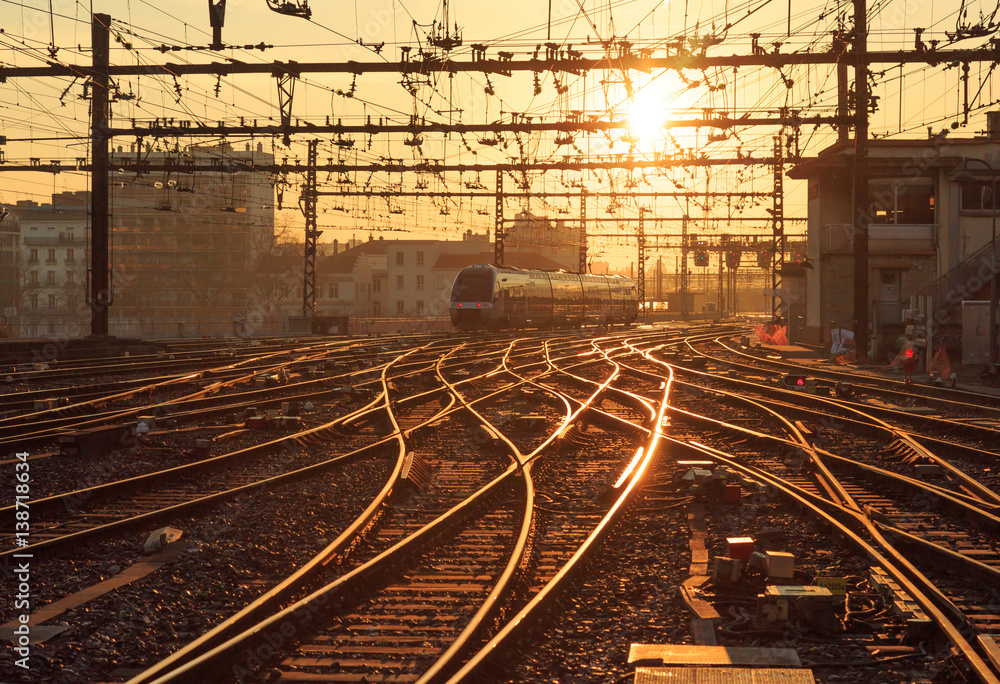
248	147
260	147
336	247
993	125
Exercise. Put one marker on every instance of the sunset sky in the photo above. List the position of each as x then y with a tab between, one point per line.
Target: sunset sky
46	117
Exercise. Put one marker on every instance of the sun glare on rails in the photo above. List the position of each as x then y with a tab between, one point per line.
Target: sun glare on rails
629	469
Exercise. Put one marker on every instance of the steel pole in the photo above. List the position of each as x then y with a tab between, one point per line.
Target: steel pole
993	272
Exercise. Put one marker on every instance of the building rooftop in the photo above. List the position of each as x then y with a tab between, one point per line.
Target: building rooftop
518	259
913	156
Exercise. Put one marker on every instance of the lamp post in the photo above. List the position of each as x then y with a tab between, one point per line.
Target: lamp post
964	177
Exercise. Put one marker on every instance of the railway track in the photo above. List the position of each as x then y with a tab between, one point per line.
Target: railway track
952	521
439	583
506	465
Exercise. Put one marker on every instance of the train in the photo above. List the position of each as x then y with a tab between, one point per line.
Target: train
500	297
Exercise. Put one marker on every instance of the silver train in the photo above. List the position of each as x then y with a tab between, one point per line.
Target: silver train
485	296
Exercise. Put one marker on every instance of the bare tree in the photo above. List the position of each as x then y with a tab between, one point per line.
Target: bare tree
274	275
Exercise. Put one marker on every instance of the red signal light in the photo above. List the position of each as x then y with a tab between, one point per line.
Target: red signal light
460	304
909	353
800	382
478	304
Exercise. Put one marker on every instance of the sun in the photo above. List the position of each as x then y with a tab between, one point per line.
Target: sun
646	116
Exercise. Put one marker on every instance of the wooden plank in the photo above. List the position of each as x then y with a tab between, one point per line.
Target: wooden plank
345	677
318	649
130	574
699	607
704	675
681	654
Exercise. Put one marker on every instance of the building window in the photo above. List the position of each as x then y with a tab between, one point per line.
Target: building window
33	302
52	301
50	278
399	307
399	258
34	277
377	285
420	282
70	256
399	282
33	256
70	277
420	306
334	290
977	196
901	203
420	258
51	258
376	309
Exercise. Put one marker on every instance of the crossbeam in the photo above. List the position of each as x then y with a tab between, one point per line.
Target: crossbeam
506	67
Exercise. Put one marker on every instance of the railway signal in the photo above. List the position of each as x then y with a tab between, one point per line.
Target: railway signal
794	382
701	253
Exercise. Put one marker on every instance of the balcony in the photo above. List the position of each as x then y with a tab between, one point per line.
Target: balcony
882	239
60	239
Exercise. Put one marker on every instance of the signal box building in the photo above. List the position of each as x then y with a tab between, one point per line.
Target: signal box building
929	235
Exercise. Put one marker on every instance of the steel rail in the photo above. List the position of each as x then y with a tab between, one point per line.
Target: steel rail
210	660
901	569
124	413
123	487
473	669
872	527
887	385
903	435
269	602
446	662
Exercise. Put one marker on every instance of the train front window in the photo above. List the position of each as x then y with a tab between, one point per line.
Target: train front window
473	287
